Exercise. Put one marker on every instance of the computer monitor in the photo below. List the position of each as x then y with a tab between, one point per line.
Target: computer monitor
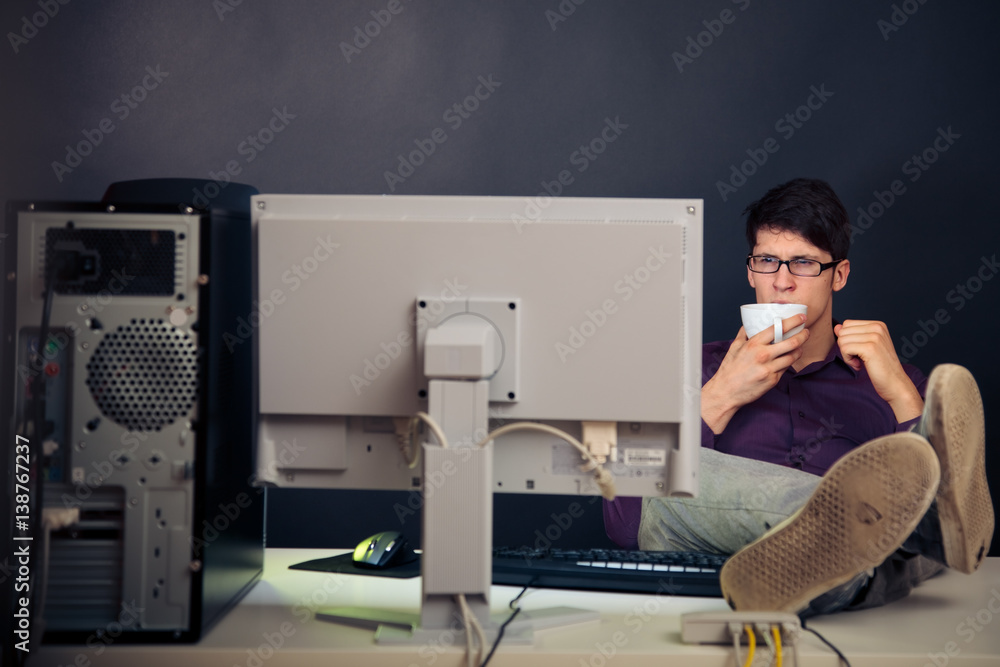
480	311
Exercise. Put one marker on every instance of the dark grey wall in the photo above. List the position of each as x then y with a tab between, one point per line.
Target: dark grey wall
897	82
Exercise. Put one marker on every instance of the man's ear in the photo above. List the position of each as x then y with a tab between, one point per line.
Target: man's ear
840	273
750	278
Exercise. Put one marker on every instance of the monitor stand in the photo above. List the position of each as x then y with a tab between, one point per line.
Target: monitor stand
458	510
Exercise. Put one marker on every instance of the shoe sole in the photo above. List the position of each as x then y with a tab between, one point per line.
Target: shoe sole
953	421
863	509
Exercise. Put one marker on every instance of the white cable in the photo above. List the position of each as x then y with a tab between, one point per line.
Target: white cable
736	630
604	479
408	443
463	605
472	625
52	520
765	630
409	448
478	627
438	433
793	638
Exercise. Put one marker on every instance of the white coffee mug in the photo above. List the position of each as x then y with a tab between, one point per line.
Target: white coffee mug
760	316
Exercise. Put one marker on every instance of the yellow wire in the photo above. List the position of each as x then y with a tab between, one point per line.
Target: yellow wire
752	638
777	645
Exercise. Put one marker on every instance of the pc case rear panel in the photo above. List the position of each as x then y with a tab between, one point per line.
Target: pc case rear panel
122	400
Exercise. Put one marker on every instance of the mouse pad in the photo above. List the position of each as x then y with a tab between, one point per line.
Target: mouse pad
344	564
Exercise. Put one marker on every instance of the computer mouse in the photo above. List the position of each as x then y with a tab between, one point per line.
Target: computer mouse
382	550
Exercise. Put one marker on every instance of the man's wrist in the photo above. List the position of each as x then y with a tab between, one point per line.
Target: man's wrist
715	411
907	407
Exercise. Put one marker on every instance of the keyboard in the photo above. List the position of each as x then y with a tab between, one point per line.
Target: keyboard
618	570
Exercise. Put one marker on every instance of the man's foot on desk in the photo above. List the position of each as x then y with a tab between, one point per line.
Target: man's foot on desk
863	509
953	423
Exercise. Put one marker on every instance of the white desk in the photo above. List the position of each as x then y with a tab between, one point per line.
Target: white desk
274	627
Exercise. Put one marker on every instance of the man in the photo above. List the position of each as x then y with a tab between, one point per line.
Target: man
903	491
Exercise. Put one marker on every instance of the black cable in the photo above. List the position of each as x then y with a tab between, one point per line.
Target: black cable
37	463
523	591
823	639
517	610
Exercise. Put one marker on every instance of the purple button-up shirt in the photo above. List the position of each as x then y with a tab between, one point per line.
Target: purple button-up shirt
807	421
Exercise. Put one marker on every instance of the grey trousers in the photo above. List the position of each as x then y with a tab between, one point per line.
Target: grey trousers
741	499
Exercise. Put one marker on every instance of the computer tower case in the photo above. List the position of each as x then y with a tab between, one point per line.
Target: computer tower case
144	421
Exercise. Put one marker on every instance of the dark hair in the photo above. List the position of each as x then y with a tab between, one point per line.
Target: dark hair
806	206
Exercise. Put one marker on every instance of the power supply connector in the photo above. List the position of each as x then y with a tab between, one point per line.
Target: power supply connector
719	627
775	629
57	518
406	437
72	265
601	440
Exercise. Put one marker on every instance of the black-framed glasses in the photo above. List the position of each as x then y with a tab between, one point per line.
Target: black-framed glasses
808	268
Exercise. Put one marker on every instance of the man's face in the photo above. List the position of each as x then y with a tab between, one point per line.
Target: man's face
782	287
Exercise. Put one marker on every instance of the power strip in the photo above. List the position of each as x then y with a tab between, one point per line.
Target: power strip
718	627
